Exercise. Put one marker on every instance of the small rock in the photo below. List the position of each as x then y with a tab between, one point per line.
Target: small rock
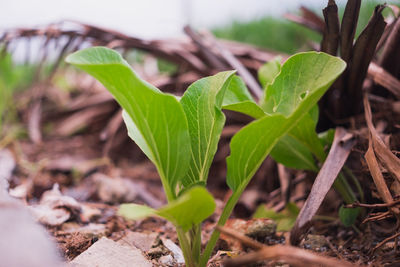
142	241
175	250
260	228
167	260
108	253
315	242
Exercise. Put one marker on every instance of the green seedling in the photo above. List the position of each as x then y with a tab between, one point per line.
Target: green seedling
180	136
302	148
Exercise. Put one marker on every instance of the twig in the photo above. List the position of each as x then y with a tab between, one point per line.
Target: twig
292	255
378	205
211	57
384	78
379	217
236	64
251	243
304	21
385	241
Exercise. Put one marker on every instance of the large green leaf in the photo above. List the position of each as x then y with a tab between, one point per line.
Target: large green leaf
295	149
156	121
191	208
303	79
202	104
299	77
237	98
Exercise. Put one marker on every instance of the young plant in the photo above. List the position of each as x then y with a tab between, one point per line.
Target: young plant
180	136
302	145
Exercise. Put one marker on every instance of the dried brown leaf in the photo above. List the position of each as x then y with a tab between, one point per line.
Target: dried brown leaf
385	156
378	177
337	156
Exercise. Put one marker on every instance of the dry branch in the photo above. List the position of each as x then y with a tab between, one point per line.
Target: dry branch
292	255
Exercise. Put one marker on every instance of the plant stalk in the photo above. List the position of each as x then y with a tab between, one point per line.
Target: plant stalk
221	222
195	242
185	246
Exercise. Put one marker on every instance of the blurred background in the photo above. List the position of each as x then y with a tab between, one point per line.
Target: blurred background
253	21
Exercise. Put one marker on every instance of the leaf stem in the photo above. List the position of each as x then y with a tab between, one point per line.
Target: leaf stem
350	174
221	222
167	189
185	246
195	242
342	186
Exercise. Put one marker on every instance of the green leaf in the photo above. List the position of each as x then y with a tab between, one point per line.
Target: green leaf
285	219
191	208
237	98
301	76
268	71
156	121
303	79
202	105
348	216
293	154
134	211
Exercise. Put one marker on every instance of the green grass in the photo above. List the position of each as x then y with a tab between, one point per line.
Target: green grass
269	32
282	35
12	79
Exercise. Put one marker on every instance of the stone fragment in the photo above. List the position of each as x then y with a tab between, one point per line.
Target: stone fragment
167	260
175	250
260	228
142	241
108	253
